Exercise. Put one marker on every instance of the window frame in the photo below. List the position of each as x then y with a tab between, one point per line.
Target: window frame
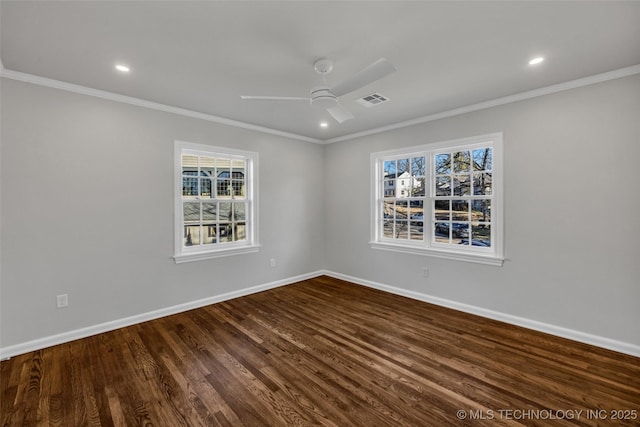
202	252
427	246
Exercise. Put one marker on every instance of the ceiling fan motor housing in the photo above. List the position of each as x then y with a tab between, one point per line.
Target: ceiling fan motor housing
322	97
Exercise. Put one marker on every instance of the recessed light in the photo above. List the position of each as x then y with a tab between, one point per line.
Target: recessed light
324	124
122	68
536	61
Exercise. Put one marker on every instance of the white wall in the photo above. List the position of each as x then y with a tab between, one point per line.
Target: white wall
572	203
87	210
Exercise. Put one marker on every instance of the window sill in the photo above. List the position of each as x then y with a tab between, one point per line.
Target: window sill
200	256
437	253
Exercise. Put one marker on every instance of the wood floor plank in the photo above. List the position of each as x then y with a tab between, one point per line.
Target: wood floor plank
321	352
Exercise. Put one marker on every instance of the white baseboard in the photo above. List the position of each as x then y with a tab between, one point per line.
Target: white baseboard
619	346
40	343
583	337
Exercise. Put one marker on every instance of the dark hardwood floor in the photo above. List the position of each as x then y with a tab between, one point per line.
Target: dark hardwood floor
321	352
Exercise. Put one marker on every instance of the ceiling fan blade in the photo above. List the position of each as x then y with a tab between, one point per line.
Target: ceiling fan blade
340	113
275	98
379	69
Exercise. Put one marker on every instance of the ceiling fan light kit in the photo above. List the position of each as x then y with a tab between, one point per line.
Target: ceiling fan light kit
322	97
326	97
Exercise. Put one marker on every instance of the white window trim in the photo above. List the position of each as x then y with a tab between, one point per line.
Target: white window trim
495	256
250	245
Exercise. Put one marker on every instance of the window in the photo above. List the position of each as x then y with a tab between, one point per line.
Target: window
442	199
215	202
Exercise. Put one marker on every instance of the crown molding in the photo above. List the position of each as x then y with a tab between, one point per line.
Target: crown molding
56	84
572	84
560	87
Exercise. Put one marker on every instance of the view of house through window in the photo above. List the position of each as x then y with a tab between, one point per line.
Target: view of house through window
439	197
403	204
462	197
213	194
215	202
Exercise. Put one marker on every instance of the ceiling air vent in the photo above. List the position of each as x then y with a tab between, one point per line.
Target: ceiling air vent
371	100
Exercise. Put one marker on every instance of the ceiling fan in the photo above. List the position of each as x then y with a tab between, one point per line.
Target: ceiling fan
324	96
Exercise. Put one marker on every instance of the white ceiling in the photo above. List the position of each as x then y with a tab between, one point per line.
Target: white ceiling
202	56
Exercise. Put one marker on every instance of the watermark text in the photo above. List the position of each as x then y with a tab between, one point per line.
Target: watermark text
548	414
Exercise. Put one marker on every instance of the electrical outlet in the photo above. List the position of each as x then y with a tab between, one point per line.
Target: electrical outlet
62	300
272	261
425	272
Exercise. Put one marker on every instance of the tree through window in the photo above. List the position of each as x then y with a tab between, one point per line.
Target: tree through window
443	198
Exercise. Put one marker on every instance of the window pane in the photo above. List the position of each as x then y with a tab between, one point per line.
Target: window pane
482	183
461	161
388	209
401	210
417	186
205	187
191	212
460	210
239	211
482	160
240	231
441	210
238	187
459	231
442	164
189	187
443	186
191	235
389	167
416	210
418	166
238	178
389	188
387	229
224	211
223	184
223	187
456	230
481	210
225	232
209	234
481	235
416	230
403	166
209	211
403	188
461	185
401	230
441	232
190	169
